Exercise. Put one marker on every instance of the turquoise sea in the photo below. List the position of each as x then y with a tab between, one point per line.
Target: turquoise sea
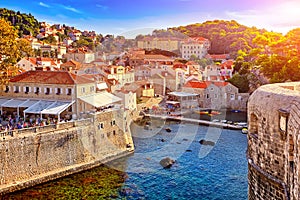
216	172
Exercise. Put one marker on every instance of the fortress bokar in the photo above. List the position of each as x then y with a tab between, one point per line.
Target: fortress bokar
34	155
273	142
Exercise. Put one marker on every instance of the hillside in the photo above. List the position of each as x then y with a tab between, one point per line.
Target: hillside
225	36
26	24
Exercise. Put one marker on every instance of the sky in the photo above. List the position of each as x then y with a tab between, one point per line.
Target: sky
133	17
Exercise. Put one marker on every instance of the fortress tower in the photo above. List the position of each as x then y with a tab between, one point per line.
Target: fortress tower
273	142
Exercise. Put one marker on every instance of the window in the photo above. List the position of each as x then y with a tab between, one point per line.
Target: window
216	96
100	126
6	89
47	91
232	96
112	123
207	96
26	90
69	91
37	90
92	88
17	89
58	91
83	90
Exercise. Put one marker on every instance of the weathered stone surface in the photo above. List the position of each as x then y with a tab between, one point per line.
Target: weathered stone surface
273	147
29	158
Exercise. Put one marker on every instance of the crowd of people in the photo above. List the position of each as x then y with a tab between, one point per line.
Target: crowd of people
12	121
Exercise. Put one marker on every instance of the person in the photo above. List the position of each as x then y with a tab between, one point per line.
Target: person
19	126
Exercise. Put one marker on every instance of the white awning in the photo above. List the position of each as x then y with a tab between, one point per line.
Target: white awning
38	107
28	103
172	102
2	101
101	99
14	103
48	107
57	108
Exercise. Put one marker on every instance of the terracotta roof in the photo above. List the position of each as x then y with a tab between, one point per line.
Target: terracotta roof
191	63
151	57
181	66
50	77
228	64
218	56
199	39
71	63
220	83
197	84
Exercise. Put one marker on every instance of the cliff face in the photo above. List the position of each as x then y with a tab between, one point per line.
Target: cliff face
41	154
274	142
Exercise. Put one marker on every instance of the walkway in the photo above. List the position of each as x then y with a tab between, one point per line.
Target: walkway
199	121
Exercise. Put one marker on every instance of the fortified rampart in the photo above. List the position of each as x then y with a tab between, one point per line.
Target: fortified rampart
31	156
274	142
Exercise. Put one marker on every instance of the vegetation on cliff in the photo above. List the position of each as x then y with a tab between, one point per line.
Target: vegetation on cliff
26	24
260	56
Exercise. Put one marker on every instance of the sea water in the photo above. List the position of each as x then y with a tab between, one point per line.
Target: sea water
217	172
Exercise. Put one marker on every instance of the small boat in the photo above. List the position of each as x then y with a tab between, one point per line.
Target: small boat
244	130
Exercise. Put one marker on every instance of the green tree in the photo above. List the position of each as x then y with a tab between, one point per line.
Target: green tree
240	81
25	48
9	49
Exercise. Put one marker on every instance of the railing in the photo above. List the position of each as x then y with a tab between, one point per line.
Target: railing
47	128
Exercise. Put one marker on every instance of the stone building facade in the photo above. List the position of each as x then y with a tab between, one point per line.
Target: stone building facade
274	142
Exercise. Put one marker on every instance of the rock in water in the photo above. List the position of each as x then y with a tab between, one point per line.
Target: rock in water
206	142
166	162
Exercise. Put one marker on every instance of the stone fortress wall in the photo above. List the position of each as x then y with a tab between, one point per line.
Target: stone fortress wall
35	155
274	142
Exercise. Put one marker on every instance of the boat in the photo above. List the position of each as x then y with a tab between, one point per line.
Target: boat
244	130
209	112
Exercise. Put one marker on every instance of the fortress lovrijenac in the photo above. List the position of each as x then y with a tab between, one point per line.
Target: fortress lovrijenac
273	142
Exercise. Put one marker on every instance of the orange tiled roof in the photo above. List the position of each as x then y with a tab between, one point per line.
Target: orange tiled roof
218	56
50	77
71	63
197	84
220	83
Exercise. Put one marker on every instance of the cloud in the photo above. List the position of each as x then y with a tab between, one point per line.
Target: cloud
101	6
44	5
71	9
281	17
